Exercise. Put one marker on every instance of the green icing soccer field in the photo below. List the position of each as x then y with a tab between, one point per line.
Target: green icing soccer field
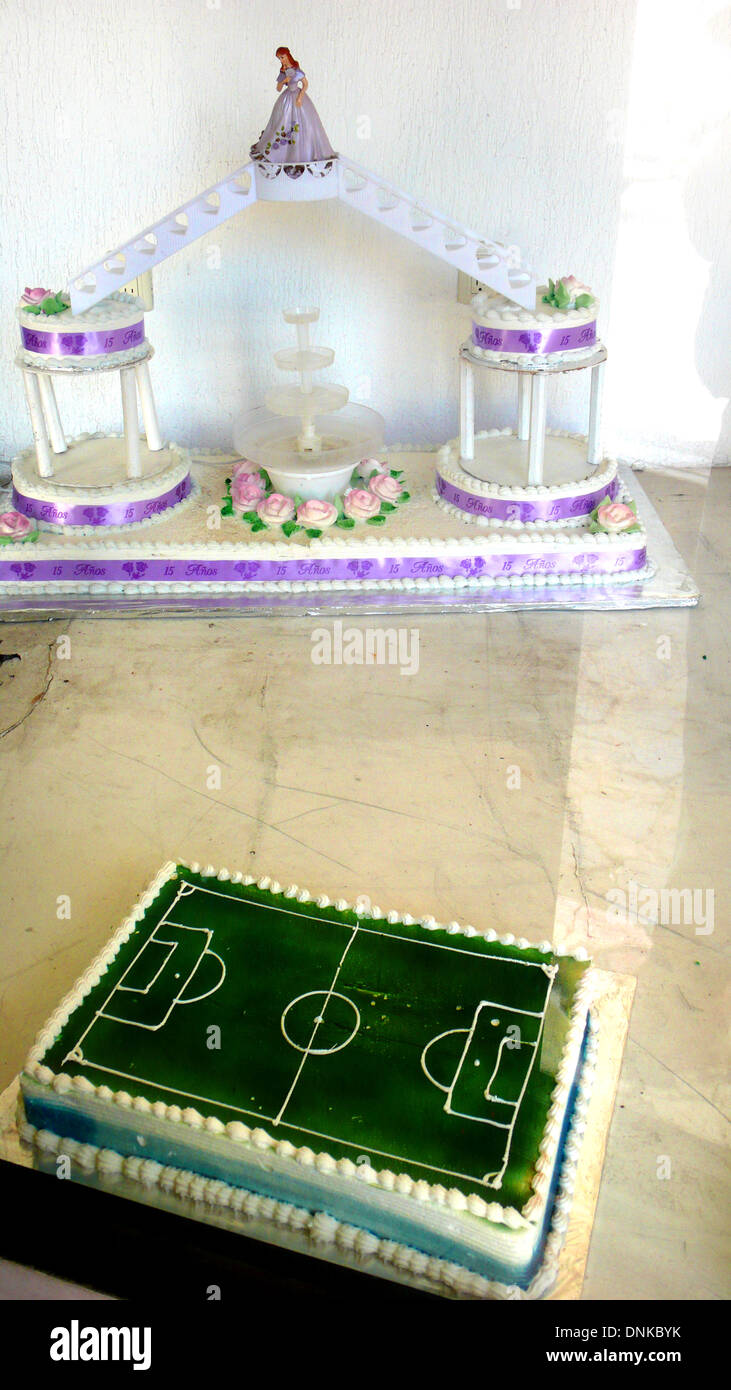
426	1052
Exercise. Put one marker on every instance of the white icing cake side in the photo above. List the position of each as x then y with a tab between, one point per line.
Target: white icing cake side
359	1246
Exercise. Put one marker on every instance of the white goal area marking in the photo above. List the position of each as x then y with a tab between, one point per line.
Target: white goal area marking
506	1040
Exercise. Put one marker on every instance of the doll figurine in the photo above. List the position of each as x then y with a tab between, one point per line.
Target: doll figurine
294	133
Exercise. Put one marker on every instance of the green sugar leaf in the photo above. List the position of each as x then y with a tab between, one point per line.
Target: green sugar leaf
376	520
54	305
388	507
313	533
290	527
346	522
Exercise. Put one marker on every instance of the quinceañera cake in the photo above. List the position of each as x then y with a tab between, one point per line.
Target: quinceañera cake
409	1093
312	502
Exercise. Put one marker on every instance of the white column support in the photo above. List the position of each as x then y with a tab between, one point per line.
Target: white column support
524	399
537	430
38	423
466	409
594	454
131	421
50	410
147	401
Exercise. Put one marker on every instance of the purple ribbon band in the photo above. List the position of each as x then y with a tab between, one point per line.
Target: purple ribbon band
237	571
112	514
543	509
532	340
83	344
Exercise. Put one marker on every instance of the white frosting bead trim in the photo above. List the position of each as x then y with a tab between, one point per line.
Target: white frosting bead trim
352	1241
450	468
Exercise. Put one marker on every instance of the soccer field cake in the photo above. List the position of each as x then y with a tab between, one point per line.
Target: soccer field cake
414	1091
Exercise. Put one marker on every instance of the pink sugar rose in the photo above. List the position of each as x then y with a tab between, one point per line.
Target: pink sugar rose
384	486
15	524
574	287
317	515
615	516
246	491
34	296
368	466
361	505
244	466
276	509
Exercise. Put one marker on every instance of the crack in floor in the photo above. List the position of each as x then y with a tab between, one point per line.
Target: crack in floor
37	699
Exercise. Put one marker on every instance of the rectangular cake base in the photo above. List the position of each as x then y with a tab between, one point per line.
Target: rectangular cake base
669	584
611	1010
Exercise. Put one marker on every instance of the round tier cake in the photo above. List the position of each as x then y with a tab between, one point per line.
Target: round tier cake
112	331
490	490
502	331
89	489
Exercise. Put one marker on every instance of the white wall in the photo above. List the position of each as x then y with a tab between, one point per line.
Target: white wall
586	131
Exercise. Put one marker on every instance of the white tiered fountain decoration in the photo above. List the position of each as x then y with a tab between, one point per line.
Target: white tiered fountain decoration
308	437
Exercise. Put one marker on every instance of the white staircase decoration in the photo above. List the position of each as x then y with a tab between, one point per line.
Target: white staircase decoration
491	263
497	266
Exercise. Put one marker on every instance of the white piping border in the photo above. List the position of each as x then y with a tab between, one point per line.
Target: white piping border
448	459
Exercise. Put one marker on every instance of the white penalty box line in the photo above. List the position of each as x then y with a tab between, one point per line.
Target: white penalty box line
76	1054
494	1179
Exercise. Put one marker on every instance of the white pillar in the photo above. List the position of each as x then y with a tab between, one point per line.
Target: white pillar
131	422
537	429
50	410
147	401
466	409
594	454
524	395
35	408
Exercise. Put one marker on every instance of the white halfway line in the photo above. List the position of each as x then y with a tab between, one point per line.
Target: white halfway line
318	1021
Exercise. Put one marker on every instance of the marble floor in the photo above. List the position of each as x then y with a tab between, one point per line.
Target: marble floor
539	773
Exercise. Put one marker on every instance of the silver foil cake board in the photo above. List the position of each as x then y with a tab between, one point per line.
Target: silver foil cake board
670	585
610	1010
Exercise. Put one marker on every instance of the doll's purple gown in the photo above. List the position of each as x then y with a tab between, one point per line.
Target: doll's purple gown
293	134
